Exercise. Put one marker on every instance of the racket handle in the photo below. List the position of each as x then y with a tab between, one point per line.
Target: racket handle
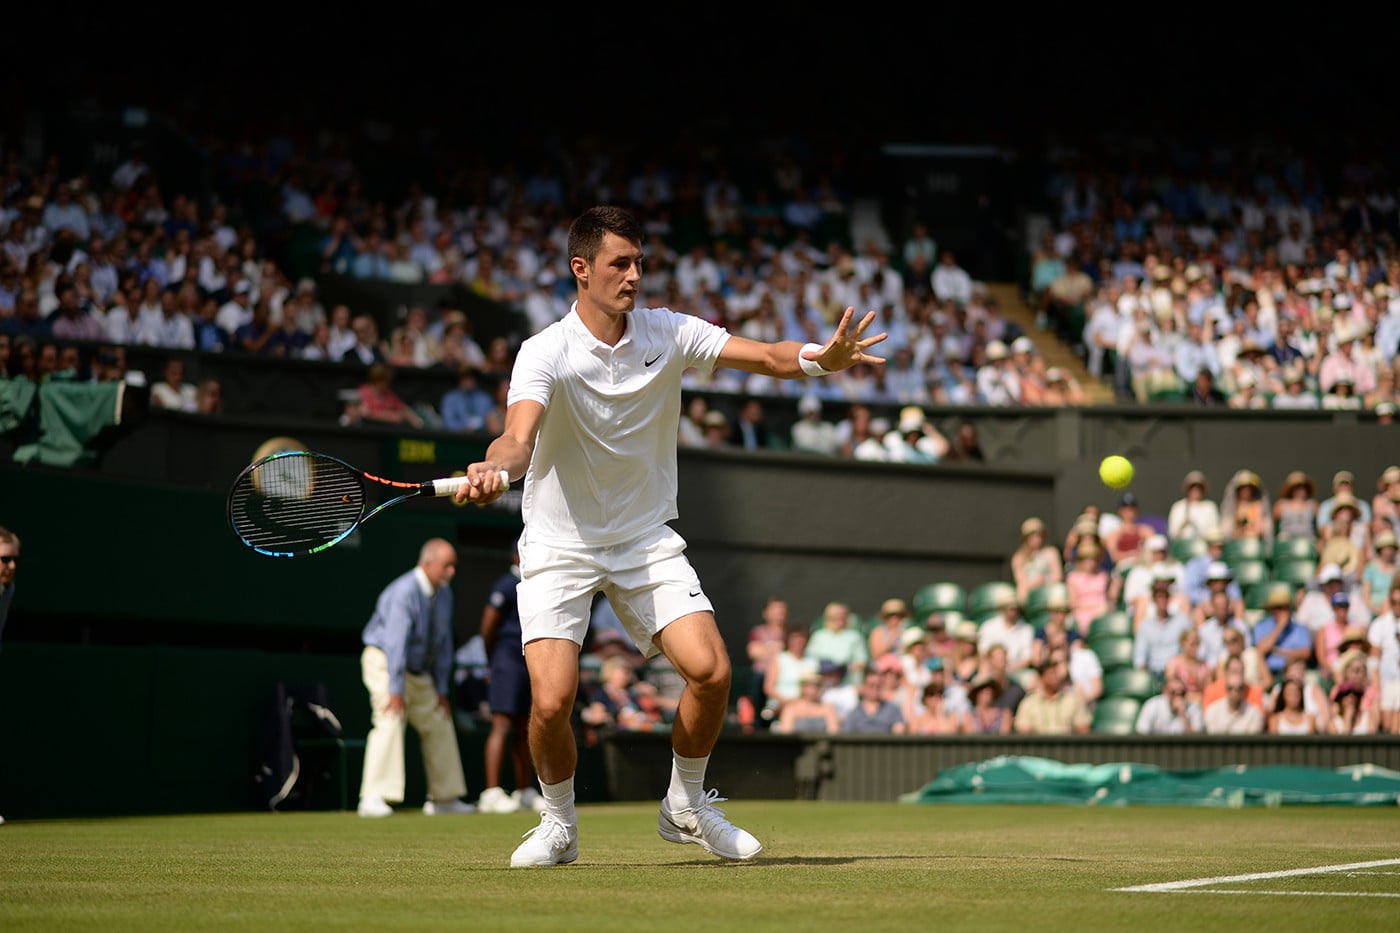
449	486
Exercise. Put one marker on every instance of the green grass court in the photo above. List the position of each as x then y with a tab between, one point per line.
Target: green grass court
827	866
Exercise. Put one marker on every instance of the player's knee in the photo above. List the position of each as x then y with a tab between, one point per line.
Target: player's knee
550	707
713	677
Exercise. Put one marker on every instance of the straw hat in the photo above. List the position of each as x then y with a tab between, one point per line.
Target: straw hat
1295	479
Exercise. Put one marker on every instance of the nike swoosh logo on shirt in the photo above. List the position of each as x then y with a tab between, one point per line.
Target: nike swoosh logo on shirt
654	359
695	593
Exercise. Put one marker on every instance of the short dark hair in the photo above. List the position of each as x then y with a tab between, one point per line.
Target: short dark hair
587	231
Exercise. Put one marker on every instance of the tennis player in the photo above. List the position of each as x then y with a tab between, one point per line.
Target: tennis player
591	421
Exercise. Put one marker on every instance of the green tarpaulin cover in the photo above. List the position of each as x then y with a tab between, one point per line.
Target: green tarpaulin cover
1024	779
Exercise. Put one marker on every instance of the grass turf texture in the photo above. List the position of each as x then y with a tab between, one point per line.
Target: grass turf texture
830	866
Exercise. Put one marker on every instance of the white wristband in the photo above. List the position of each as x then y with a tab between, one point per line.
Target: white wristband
811	367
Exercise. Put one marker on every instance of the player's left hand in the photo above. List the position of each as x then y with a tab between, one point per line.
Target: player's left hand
847	346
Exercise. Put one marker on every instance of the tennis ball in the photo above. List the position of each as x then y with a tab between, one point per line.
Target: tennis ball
1116	472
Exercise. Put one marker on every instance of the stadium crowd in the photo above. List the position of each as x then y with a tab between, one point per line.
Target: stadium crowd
1251	283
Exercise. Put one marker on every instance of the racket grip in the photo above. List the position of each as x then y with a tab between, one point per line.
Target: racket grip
450	485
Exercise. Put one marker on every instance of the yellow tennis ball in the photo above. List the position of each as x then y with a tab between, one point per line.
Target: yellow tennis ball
1116	472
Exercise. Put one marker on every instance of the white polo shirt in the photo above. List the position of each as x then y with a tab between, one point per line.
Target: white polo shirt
604	467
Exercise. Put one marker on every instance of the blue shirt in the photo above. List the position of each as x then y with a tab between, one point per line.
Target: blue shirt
502	598
1295	636
412	625
466	409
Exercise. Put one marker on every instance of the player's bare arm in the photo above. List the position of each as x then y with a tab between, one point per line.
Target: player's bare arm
510	454
783	360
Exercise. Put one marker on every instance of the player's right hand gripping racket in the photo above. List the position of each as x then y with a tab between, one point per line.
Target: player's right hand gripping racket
296	502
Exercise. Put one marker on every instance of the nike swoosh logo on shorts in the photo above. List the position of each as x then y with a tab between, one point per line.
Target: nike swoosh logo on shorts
654	359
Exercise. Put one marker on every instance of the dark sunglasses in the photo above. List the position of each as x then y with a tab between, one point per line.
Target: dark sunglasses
9	558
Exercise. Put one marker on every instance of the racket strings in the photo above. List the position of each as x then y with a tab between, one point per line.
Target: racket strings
296	502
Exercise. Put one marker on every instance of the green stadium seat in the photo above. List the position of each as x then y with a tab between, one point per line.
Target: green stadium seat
982	601
1183	549
1039	598
939	596
1114	624
1296	572
1131	682
1243	549
1116	715
1290	549
1113	653
1249	572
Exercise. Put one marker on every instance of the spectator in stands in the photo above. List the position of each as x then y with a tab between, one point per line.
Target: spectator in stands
838	641
965	660
986	717
933	715
210	400
749	432
1170	712
1343	395
73	320
781	679
1087	587
1342	364
380	402
1383	503
950	281
1159	633
1295	511
1035	562
1186	665
886	637
1384	638
368	348
1343	481
965	446
1219	579
1231	714
995	664
172	392
716	429
997	381
765	643
810	433
1315	607
1245	510
1295	395
1156	564
1349	717
1125	542
1203	392
465	406
807	712
1053	707
1380	573
873	714
1009	630
1193	515
620	701
1340	541
1279	636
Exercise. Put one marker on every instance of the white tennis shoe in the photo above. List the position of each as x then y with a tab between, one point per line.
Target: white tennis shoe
440	807
553	842
528	798
706	826
496	800
374	808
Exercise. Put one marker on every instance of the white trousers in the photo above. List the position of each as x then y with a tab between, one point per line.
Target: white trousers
384	755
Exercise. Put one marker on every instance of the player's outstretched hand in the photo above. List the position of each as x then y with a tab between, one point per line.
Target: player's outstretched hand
847	347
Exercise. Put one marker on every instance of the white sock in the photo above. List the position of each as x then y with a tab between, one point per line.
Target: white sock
559	800
687	782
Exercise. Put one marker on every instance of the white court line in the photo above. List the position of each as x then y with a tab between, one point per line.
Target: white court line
1164	886
1289	893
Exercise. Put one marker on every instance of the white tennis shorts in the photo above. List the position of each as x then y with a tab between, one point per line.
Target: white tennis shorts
649	582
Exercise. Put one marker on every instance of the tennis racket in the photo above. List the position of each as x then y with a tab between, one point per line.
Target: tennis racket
295	503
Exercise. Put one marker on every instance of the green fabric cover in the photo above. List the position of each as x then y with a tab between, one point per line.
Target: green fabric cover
1025	779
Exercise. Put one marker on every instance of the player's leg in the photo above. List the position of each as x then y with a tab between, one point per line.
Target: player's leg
553	664
658	597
